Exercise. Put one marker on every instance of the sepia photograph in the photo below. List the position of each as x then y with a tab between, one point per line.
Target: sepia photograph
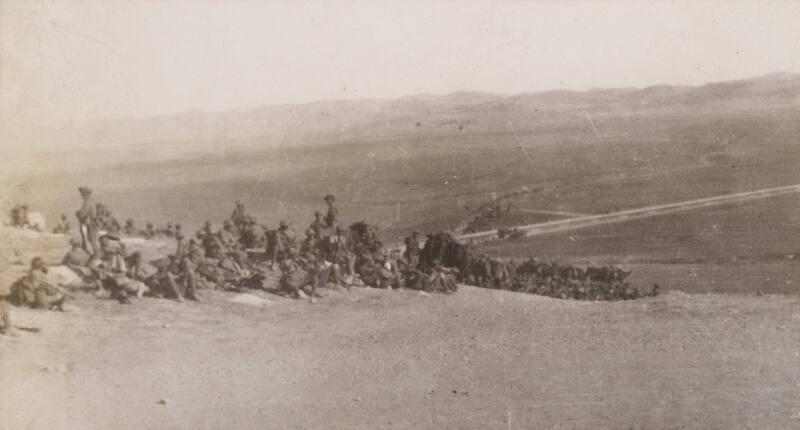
441	214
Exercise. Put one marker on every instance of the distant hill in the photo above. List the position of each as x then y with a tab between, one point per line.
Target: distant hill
431	115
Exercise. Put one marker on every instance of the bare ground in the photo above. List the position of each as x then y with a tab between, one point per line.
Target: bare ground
376	359
368	359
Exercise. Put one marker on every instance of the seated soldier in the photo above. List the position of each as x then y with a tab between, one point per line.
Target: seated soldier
311	244
387	275
206	272
205	231
175	277
63	226
441	278
228	235
111	255
318	224
323	269
411	277
212	245
130	227
148	232
252	234
33	289
367	270
295	276
121	286
163	283
78	259
335	248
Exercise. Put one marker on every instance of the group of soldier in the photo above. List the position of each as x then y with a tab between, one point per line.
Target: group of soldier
532	276
245	254
564	281
241	254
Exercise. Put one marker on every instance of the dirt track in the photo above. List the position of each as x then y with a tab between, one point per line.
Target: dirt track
638	213
377	359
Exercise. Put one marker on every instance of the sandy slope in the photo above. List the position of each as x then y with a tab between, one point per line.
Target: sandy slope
377	359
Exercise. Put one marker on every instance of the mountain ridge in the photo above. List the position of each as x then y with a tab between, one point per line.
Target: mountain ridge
461	111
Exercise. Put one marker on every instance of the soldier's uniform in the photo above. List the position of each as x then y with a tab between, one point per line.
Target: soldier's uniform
36	287
317	225
5	317
333	213
412	250
87	218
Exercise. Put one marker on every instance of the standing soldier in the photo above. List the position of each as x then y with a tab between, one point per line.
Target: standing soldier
333	213
412	249
5	319
239	214
280	243
87	219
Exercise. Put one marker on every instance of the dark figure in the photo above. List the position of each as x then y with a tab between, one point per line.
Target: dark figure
63	227
318	224
412	249
87	220
333	213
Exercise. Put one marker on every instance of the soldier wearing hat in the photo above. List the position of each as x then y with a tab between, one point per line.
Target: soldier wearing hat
227	235
412	249
63	227
180	246
333	213
441	278
296	276
110	257
311	243
252	233
280	243
130	227
186	269
239	214
36	292
318	224
149	231
77	258
87	219
170	230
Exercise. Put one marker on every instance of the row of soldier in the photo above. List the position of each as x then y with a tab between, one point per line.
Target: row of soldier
243	254
240	254
532	276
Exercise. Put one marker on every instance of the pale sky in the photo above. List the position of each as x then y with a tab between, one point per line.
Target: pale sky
72	60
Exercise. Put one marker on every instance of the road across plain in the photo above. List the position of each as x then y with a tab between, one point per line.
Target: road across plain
631	214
